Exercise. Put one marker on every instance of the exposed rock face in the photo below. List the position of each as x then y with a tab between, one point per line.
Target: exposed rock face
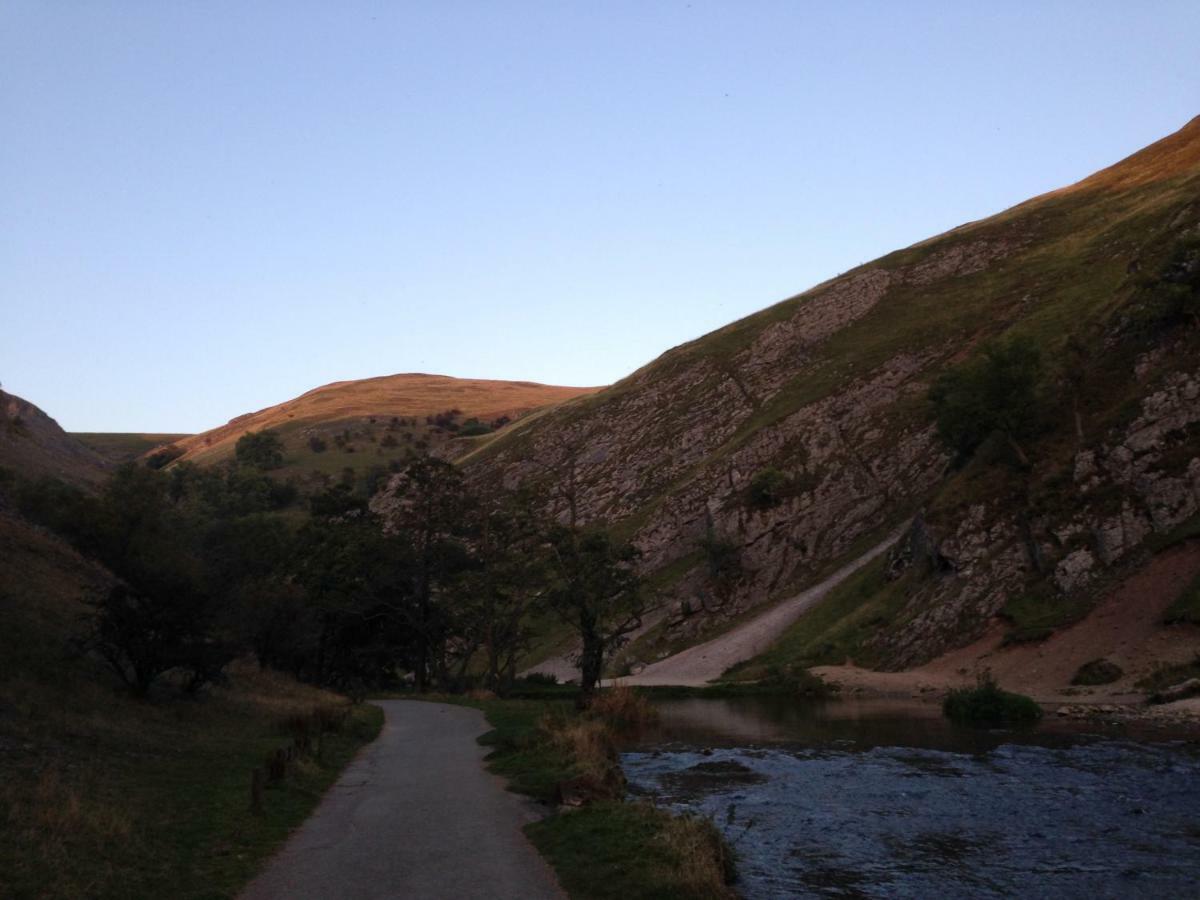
1143	479
673	453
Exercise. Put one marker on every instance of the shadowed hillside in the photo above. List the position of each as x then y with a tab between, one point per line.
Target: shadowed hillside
33	444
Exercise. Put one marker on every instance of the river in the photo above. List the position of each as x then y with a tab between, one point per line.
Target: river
867	799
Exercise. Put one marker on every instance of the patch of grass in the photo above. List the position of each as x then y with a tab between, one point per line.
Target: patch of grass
633	851
1186	609
1098	671
987	704
1168	675
1038	612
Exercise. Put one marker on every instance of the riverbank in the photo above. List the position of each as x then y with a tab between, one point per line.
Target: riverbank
601	845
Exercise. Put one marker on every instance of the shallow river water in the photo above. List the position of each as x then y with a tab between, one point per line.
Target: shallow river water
884	799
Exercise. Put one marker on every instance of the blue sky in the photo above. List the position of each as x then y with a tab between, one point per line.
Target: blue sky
207	208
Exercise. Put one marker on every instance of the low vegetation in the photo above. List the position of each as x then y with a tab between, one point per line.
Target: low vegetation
104	795
987	704
1098	671
1186	609
1166	676
608	847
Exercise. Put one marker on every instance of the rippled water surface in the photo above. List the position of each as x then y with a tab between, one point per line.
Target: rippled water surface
852	800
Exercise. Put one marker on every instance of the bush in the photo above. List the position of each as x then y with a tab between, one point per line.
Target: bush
541	678
473	428
987	704
768	488
317	444
161	458
797	679
259	450
1098	671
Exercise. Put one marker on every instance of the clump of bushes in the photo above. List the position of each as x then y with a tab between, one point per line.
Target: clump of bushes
473	428
259	450
1098	671
768	489
160	458
987	704
1165	676
795	679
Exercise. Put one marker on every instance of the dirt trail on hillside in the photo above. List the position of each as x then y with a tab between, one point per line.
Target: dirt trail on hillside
1125	628
417	816
705	662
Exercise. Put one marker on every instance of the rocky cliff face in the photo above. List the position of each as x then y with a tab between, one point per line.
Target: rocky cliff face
1140	481
824	396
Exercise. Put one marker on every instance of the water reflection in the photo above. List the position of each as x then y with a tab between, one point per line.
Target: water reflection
863	723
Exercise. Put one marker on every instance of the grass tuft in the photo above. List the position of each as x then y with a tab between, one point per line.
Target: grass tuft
987	704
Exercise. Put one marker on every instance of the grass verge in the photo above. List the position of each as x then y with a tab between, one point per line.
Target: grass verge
610	847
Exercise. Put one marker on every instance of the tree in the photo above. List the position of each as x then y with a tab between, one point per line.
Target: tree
595	589
259	450
429	515
998	392
506	579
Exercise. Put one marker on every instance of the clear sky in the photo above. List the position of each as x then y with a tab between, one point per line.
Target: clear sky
210	207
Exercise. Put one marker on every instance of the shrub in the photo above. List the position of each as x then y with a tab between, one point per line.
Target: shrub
1165	676
1098	671
473	428
1185	610
987	704
260	450
541	678
797	679
160	458
317	444
768	488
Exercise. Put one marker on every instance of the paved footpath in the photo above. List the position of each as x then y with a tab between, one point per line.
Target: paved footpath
415	816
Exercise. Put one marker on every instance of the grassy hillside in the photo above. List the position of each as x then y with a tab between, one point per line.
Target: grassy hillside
829	390
102	795
352	431
375	401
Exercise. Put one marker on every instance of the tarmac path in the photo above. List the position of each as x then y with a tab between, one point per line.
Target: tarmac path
414	816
